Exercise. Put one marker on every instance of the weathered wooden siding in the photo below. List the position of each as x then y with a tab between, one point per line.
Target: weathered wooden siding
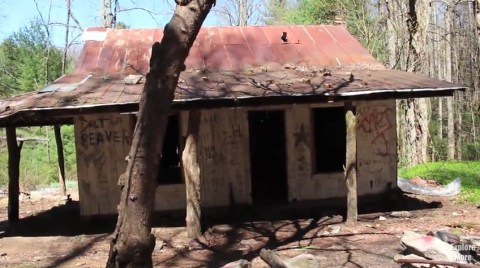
376	146
102	143
225	157
304	184
225	165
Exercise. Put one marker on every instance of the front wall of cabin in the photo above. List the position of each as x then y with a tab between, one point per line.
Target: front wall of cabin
101	142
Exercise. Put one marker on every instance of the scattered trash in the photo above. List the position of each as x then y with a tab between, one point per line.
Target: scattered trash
333	229
300	261
453	188
439	248
428	247
381	218
401	214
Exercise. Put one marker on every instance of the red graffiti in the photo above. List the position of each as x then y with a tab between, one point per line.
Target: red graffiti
377	123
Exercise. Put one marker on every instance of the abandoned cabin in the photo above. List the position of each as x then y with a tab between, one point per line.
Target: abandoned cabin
273	109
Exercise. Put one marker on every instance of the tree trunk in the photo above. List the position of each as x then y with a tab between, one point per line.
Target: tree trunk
191	172
14	150
417	115
440	117
132	242
242	12
449	77
107	15
450	129
351	165
61	160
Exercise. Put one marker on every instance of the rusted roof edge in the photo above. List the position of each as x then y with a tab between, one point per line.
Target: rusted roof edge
34	117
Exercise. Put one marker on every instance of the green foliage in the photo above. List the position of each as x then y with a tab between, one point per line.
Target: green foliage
38	165
445	172
363	19
28	61
303	12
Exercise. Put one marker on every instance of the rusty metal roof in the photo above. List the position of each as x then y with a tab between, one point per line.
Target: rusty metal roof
227	66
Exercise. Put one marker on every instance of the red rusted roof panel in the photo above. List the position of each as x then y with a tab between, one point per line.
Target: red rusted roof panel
129	49
240	55
232	36
254	35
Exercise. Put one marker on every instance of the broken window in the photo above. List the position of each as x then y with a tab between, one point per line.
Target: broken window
329	139
169	168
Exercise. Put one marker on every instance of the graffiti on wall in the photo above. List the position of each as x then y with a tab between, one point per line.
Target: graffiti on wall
99	131
377	123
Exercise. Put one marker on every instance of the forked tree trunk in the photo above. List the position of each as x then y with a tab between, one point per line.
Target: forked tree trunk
132	242
351	165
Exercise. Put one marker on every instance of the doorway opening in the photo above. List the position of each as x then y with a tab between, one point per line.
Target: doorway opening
268	157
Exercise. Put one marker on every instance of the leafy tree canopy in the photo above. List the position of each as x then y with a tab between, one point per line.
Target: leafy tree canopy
28	61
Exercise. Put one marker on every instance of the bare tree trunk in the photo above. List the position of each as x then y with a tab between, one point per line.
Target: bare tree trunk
191	169
132	242
106	13
60	158
14	150
243	12
450	129
67	30
440	117
449	77
351	165
417	116
458	131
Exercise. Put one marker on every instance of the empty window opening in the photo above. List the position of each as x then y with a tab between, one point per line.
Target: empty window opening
330	139
169	168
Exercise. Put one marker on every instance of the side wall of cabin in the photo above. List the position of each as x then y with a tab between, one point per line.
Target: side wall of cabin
103	141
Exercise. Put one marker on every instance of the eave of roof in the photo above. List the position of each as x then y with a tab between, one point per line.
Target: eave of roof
205	90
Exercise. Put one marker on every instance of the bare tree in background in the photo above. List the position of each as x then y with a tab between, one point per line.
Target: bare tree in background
132	243
240	12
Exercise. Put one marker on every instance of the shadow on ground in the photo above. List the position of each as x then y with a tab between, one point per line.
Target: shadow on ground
65	220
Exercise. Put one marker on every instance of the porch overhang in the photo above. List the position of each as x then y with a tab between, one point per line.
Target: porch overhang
74	95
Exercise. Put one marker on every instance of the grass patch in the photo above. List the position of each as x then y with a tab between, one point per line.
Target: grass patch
445	172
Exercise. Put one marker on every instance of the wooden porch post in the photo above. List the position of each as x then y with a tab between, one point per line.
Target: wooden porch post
351	164
61	160
13	173
191	170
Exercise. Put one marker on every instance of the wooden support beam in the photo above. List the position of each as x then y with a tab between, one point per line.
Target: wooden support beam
351	164
13	173
61	159
191	171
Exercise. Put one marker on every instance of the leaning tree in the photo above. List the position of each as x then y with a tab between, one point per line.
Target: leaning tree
132	242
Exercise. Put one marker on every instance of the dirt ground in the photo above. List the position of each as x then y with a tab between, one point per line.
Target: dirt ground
52	234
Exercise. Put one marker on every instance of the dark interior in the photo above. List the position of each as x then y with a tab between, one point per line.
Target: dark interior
268	157
169	168
329	138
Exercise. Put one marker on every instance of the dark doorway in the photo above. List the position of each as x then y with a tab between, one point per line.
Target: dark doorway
267	157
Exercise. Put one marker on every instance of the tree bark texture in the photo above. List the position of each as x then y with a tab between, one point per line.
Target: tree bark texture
60	159
14	150
191	168
351	165
132	242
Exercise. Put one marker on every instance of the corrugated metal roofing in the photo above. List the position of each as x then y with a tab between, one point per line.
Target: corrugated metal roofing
227	66
126	51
